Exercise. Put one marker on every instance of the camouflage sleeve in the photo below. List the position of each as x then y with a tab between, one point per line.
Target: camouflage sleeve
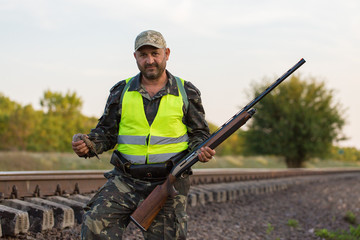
198	129
104	135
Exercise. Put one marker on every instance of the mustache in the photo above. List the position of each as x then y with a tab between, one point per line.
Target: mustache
151	65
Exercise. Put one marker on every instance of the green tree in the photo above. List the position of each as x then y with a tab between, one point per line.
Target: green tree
349	154
16	124
50	129
56	103
62	117
7	107
22	124
297	120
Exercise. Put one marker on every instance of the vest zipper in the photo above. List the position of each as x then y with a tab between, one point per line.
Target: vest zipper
147	152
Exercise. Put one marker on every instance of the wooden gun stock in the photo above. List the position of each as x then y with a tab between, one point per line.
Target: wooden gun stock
144	215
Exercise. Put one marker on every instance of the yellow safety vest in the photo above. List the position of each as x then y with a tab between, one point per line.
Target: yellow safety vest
143	144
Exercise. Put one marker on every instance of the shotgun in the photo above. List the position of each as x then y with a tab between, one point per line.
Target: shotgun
150	207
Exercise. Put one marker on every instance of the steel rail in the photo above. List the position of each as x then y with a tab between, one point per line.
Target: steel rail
48	183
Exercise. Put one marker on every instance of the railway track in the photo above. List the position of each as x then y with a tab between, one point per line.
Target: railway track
38	201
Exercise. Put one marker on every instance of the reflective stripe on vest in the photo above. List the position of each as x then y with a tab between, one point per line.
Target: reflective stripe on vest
141	140
140	143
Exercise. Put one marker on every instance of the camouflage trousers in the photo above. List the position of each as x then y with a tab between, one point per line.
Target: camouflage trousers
108	212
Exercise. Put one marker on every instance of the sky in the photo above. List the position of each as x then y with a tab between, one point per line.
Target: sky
222	47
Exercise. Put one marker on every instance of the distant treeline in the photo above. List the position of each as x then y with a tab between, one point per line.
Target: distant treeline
49	129
22	128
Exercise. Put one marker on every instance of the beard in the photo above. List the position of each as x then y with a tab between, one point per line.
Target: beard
152	71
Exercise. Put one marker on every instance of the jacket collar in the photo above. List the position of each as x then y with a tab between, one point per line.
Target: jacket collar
170	87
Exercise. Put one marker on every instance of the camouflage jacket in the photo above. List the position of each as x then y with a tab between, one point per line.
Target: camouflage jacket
106	132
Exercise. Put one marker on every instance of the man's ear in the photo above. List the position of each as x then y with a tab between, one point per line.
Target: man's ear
167	53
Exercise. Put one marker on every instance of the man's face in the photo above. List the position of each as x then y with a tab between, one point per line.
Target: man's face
151	61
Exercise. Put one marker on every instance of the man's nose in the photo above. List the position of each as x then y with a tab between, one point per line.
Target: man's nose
149	59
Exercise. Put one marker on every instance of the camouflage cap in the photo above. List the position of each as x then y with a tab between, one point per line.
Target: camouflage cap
150	37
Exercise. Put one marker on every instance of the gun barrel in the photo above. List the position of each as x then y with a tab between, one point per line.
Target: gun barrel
274	85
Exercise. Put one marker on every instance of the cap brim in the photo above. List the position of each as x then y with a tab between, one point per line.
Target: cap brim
149	44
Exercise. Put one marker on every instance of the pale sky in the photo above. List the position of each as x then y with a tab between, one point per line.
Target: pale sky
222	47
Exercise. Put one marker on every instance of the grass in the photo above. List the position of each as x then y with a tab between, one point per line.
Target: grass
34	161
293	223
352	234
350	217
243	162
269	229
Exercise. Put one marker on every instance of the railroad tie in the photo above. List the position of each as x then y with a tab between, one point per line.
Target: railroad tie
192	199
63	215
199	196
13	221
204	195
41	218
223	192
77	207
219	194
80	198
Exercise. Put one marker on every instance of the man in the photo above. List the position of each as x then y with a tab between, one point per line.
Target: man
154	118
